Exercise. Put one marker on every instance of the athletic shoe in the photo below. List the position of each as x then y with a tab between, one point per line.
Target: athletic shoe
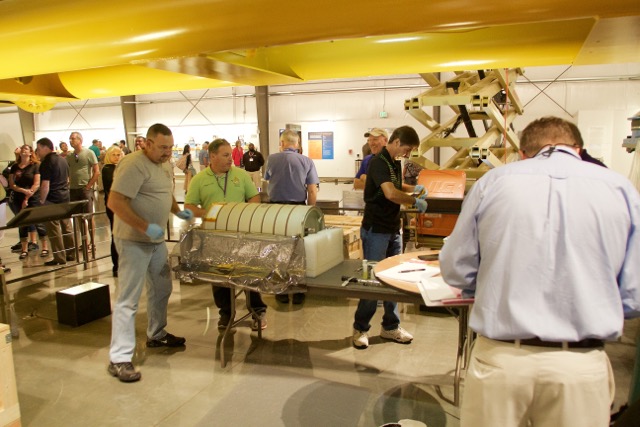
125	372
167	341
360	339
398	335
259	322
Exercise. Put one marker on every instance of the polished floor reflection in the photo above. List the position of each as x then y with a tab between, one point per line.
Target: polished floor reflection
303	372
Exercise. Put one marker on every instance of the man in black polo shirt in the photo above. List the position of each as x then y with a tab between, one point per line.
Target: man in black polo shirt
384	192
54	188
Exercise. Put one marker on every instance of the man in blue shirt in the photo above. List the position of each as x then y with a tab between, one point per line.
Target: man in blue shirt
293	180
292	177
550	248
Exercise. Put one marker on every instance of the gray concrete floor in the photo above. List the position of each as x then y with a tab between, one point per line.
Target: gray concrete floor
303	372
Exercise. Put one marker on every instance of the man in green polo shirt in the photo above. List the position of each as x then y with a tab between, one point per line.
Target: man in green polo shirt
223	182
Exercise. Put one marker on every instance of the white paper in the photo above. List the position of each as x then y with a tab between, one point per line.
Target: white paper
422	271
435	289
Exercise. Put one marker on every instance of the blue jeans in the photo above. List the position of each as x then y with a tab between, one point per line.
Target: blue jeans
376	247
140	263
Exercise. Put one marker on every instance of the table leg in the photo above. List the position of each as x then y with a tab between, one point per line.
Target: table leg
232	319
463	337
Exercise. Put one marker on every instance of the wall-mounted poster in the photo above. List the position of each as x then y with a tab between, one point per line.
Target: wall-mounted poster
321	145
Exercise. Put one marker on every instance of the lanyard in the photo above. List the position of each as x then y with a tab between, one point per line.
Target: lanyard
395	179
224	190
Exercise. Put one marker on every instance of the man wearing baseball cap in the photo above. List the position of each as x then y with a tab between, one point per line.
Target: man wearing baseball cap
376	138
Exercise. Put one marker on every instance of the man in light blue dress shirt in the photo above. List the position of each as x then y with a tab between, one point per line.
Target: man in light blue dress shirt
549	246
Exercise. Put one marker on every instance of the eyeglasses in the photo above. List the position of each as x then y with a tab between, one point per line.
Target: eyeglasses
76	156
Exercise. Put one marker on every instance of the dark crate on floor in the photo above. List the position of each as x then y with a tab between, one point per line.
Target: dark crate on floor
83	303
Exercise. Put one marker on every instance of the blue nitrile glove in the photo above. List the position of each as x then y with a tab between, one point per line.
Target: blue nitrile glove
421	205
185	214
418	189
154	231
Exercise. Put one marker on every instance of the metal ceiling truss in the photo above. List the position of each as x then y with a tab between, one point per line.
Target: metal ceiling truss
485	96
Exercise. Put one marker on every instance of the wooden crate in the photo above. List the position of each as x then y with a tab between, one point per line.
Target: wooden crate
9	407
343	220
352	245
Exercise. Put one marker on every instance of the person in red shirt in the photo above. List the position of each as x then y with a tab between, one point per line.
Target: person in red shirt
237	154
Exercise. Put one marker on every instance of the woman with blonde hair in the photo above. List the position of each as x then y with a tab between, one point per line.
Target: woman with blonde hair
111	159
24	181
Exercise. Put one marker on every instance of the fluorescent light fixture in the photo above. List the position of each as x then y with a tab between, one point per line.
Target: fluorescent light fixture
398	40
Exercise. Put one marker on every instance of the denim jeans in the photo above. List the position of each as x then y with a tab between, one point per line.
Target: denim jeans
376	247
140	263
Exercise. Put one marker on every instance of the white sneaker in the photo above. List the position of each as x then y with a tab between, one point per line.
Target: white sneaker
398	335
360	339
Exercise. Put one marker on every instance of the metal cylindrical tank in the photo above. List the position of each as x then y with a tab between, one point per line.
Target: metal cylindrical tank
282	220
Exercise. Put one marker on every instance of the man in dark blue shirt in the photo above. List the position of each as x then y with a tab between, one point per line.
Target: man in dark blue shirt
54	188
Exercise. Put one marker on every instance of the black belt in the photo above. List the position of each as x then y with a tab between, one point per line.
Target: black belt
537	342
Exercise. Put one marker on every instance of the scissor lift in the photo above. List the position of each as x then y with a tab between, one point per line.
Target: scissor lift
485	97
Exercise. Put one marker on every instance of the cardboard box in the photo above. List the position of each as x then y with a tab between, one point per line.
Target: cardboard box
9	407
353	199
83	303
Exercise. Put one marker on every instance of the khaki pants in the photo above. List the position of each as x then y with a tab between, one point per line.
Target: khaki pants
60	233
508	385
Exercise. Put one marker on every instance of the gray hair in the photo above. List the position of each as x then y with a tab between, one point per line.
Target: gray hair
289	138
